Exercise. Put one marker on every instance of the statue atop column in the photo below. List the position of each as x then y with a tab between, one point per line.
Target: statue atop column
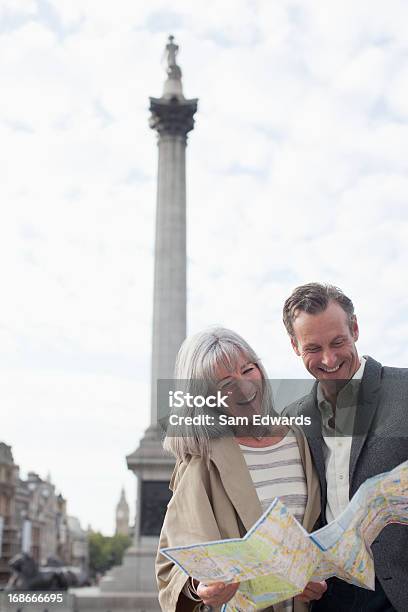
172	51
172	87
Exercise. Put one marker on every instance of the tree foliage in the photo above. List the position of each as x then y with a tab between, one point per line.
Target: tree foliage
106	551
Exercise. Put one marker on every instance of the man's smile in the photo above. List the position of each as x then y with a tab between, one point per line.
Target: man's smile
331	370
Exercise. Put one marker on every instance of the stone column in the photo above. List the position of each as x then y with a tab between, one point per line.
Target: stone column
172	119
169	307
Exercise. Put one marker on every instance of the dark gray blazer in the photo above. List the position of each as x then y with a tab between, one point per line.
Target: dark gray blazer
380	442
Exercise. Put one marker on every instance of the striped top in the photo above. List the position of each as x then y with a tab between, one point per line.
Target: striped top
277	471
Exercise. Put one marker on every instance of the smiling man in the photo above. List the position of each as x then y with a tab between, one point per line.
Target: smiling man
358	410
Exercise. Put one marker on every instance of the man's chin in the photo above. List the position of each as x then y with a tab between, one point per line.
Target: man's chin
331	377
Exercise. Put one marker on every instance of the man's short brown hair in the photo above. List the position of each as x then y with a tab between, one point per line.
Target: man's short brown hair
314	298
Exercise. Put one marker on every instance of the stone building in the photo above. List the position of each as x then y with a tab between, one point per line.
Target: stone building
34	520
9	545
46	528
63	544
78	550
37	511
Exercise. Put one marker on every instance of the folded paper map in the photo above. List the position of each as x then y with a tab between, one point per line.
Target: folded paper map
277	557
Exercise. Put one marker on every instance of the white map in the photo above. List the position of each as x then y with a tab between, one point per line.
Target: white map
277	558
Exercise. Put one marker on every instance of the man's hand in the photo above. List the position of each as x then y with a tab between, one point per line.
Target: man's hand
313	590
218	593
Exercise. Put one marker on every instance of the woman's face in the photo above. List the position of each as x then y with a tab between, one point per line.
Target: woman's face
242	385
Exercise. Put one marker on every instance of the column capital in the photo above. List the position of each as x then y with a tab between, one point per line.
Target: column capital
172	116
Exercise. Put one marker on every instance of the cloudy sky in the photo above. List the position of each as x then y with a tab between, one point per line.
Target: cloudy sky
297	171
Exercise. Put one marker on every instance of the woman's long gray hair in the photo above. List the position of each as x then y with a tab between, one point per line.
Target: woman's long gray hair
196	373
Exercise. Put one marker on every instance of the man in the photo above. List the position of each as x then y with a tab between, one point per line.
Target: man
367	403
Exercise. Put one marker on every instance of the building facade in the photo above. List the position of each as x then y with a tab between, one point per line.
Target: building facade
34	520
8	528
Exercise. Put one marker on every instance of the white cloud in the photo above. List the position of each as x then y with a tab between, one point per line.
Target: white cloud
17	8
398	93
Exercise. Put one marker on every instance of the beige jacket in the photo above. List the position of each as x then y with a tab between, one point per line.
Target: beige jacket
219	501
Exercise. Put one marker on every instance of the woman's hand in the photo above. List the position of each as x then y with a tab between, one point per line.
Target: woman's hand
313	590
218	593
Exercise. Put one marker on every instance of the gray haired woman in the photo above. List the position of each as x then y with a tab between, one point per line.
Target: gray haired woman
226	475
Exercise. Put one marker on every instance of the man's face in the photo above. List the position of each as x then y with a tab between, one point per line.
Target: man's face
326	343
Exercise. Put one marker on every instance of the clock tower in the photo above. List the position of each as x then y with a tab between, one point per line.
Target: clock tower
122	515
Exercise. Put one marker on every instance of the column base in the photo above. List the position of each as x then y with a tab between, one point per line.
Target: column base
134	575
93	600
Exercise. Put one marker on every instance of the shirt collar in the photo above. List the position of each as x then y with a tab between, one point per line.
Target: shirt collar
347	397
351	383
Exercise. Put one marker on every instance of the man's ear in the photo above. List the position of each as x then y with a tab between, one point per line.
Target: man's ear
295	347
354	328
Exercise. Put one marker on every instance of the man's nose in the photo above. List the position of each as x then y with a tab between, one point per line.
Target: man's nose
329	358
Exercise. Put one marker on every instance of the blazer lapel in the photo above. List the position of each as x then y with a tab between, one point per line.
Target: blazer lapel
312	509
236	479
308	407
366	408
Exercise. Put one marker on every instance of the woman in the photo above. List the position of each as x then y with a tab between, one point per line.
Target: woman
226	477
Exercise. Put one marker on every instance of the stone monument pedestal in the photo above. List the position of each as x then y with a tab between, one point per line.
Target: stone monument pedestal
136	571
132	585
153	468
91	600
